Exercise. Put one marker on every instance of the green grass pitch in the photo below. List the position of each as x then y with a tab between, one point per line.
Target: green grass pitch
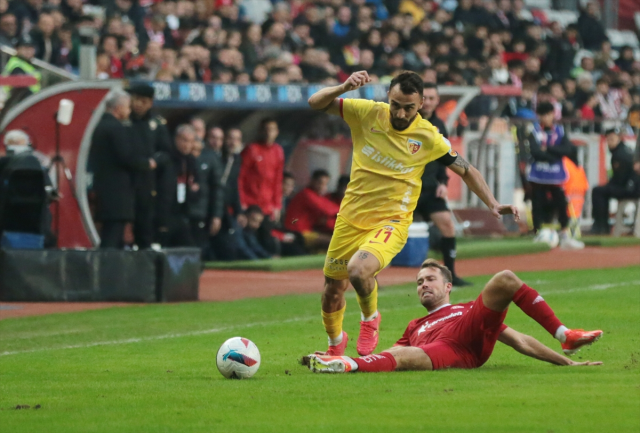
152	369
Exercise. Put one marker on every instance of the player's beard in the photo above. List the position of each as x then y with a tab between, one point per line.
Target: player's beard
404	123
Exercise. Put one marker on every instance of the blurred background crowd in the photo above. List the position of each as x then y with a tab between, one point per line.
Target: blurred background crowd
465	42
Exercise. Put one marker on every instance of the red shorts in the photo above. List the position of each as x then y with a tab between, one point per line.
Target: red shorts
468	342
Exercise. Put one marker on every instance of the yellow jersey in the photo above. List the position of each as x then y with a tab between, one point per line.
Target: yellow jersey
387	164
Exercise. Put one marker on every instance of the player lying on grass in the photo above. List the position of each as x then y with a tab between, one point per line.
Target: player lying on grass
392	144
463	335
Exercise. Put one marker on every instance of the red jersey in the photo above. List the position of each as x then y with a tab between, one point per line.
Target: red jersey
308	210
260	181
433	327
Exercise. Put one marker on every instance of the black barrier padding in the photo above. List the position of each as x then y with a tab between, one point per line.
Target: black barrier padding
87	276
178	271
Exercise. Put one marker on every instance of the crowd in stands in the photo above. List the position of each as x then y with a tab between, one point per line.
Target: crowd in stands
468	42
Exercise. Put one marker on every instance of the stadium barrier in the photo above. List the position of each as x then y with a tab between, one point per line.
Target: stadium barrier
99	275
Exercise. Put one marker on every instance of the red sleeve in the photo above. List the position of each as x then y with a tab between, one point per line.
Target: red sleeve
245	170
279	175
320	205
502	328
404	340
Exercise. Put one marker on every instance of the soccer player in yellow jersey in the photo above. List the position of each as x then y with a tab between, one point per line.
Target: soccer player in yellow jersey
391	146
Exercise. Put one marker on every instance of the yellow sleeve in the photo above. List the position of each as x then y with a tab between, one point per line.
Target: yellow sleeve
354	110
441	146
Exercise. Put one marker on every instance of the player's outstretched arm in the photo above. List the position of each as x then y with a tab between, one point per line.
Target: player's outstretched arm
325	99
529	346
476	183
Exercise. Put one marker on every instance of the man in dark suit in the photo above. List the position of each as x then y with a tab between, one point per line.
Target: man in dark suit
114	165
150	140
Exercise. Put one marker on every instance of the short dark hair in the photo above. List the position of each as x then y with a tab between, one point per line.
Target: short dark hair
432	263
254	208
544	108
287	175
544	89
602	80
317	174
409	83
344	180
430	86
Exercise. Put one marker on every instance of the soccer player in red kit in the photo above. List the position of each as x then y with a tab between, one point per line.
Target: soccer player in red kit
464	335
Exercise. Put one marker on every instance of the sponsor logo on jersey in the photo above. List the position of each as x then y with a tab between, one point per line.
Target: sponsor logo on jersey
386	161
389	228
414	146
428	325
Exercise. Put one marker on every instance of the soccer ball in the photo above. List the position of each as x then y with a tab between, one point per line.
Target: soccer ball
238	358
548	236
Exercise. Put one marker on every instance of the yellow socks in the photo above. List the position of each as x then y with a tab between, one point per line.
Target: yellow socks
369	303
333	322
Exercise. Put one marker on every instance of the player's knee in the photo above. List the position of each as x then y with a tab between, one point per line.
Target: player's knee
357	273
508	281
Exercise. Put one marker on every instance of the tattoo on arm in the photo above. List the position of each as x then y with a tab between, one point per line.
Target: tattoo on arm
462	163
363	255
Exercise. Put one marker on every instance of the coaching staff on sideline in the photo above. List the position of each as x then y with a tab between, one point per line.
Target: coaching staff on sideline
150	140
115	166
432	204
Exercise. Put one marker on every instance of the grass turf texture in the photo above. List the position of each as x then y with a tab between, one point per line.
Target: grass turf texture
466	250
152	369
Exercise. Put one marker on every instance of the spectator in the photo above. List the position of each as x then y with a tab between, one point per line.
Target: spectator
590	28
626	60
246	236
148	65
312	214
149	139
288	187
548	144
624	183
46	40
613	103
341	189
178	188
260	181
114	167
562	49
8	30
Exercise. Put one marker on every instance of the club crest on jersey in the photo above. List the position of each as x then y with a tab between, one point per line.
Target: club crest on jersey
414	146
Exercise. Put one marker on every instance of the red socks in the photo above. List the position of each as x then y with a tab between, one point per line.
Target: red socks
376	363
537	308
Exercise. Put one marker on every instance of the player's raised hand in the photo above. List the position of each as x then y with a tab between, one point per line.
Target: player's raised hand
356	80
506	209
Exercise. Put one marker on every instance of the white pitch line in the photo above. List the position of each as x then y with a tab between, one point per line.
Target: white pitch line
292	320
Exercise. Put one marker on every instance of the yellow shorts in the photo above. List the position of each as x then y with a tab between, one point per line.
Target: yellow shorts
383	241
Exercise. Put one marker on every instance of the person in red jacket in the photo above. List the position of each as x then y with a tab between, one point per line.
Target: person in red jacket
313	214
260	181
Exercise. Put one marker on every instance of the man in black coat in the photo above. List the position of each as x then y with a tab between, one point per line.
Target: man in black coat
114	167
432	204
205	211
590	28
177	187
225	242
150	140
624	183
